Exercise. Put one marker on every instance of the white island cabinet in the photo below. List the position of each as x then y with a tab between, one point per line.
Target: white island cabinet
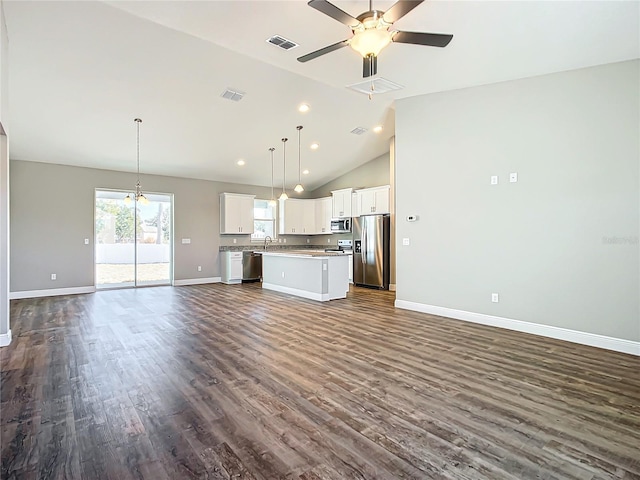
315	275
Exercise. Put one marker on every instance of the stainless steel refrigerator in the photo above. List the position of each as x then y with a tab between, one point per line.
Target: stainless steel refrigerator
371	251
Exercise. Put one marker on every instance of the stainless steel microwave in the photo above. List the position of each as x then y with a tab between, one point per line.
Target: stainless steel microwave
341	225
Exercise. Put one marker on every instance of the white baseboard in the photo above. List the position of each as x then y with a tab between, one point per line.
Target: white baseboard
51	292
392	287
321	297
5	339
583	338
196	281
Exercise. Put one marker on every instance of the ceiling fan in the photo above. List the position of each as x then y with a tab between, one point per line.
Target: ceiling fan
371	32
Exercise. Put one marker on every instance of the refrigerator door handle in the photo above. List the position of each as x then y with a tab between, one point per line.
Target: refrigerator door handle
364	245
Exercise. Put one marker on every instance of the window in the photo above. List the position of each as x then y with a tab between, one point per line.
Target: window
264	220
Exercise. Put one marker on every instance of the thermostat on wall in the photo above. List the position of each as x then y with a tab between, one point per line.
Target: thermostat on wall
412	218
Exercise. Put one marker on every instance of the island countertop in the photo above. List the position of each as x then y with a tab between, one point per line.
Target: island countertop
302	253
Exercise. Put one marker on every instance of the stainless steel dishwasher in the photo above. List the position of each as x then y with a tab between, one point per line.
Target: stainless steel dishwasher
251	266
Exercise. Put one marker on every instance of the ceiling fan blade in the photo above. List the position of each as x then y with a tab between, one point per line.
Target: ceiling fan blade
334	12
400	9
420	38
322	51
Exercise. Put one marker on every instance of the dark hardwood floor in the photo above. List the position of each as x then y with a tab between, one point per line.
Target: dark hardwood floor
222	382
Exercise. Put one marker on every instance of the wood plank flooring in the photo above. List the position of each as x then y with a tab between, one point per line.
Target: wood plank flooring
222	382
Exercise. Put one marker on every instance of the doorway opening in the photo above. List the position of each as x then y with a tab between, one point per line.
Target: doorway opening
134	241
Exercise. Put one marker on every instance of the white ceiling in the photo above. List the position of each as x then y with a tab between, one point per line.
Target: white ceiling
80	72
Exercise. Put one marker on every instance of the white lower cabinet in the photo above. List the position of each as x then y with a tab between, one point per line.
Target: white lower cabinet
231	267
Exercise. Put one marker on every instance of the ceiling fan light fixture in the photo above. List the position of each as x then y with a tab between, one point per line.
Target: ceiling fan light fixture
371	37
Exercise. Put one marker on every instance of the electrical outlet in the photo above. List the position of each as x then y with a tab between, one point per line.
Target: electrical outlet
285	240
199	268
54	276
308	240
495	298
86	241
235	240
406	241
494	180
513	177
328	240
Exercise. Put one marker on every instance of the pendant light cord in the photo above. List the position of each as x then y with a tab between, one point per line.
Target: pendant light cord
284	162
272	150
299	127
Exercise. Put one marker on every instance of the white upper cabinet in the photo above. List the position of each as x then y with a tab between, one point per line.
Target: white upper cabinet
341	203
297	217
355	209
236	213
373	200
324	209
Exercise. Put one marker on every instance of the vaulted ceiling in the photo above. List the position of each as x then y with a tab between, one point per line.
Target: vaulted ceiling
80	72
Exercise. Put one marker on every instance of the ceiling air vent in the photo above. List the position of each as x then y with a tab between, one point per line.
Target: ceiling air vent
380	85
358	130
232	94
282	42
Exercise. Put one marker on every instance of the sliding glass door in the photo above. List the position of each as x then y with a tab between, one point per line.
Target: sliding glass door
133	240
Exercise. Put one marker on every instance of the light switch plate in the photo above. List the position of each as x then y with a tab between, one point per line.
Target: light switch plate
86	241
513	177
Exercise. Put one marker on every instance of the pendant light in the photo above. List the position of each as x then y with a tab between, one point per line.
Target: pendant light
299	188
272	202
283	195
139	195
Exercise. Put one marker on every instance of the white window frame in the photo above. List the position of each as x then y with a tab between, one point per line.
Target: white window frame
274	220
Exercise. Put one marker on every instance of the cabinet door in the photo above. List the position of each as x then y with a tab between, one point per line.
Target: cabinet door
341	203
355	208
324	211
308	219
291	217
235	268
381	200
245	207
236	213
366	202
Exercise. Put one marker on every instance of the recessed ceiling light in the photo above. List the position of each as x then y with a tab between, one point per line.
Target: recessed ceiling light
305	172
303	108
240	162
377	128
314	146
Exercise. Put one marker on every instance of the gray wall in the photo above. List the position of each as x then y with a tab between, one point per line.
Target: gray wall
4	179
371	174
560	246
52	212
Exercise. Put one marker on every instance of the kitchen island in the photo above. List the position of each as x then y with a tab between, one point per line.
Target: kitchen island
318	276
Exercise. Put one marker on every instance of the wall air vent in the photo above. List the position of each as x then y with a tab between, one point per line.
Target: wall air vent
232	94
380	85
281	42
358	130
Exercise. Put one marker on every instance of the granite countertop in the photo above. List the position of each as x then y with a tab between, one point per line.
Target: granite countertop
303	253
271	248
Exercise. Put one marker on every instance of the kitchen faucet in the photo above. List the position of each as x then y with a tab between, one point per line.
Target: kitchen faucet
267	238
